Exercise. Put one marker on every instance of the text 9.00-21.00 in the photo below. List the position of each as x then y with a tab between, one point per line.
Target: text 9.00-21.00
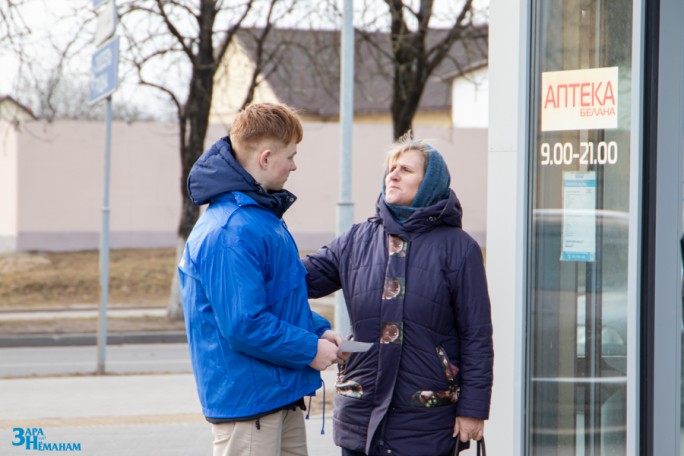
589	153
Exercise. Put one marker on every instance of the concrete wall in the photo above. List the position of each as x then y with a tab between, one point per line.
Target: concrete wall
316	182
60	180
61	185
8	186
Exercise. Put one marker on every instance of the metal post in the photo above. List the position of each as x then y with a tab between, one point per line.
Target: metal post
104	247
345	206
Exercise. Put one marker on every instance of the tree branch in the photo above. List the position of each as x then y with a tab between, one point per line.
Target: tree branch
230	33
174	31
441	49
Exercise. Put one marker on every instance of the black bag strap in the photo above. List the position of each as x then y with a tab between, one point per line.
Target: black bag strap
481	448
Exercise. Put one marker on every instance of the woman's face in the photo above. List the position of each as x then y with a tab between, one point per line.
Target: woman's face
404	177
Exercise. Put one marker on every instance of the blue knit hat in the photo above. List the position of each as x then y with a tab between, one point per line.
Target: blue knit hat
434	187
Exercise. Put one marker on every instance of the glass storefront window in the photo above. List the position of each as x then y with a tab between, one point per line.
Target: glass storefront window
579	162
681	384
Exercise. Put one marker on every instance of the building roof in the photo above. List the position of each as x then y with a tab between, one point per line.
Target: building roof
27	113
303	68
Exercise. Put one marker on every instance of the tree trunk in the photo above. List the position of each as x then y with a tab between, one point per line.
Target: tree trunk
405	100
189	211
192	148
189	216
413	61
174	311
401	122
194	122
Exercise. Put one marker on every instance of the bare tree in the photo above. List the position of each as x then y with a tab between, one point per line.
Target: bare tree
187	40
407	53
52	75
415	56
13	31
12	25
65	97
56	91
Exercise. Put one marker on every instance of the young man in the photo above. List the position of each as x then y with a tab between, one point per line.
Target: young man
256	347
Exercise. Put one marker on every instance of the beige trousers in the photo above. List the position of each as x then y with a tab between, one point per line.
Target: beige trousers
280	434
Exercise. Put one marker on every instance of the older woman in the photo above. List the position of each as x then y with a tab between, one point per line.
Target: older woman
415	286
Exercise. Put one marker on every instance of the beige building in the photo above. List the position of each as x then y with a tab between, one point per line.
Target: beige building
301	68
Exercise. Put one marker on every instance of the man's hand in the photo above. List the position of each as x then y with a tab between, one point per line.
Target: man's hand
468	428
325	355
336	339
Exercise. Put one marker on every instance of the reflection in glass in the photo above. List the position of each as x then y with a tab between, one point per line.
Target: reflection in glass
577	264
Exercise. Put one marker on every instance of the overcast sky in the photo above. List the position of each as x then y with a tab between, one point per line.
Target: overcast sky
45	19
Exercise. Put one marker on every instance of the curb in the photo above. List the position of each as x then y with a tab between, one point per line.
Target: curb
65	340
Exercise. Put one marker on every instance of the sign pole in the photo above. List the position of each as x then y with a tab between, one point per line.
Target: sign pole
104	78
345	206
104	246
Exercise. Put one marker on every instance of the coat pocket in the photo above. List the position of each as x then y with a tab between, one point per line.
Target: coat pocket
439	398
349	388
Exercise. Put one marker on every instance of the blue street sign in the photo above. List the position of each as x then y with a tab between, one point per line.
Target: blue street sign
107	21
104	71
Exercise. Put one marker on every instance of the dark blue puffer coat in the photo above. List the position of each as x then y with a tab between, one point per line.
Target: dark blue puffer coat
418	291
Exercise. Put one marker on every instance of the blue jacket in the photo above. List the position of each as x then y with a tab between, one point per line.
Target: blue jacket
250	329
426	309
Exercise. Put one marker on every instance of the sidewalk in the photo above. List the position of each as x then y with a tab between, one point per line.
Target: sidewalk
91	312
70	339
81	312
113	415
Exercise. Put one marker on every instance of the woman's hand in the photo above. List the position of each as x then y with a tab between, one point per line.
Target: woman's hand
468	428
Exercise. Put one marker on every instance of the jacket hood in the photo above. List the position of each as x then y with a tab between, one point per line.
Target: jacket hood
447	211
217	172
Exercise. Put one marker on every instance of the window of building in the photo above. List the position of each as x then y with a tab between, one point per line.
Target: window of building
579	158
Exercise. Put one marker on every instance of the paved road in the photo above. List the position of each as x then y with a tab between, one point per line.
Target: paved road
146	404
119	359
132	415
145	410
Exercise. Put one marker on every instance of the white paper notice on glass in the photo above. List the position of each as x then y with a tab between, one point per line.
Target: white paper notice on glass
579	216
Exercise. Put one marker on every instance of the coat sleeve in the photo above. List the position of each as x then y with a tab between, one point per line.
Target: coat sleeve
319	323
474	324
323	268
235	283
